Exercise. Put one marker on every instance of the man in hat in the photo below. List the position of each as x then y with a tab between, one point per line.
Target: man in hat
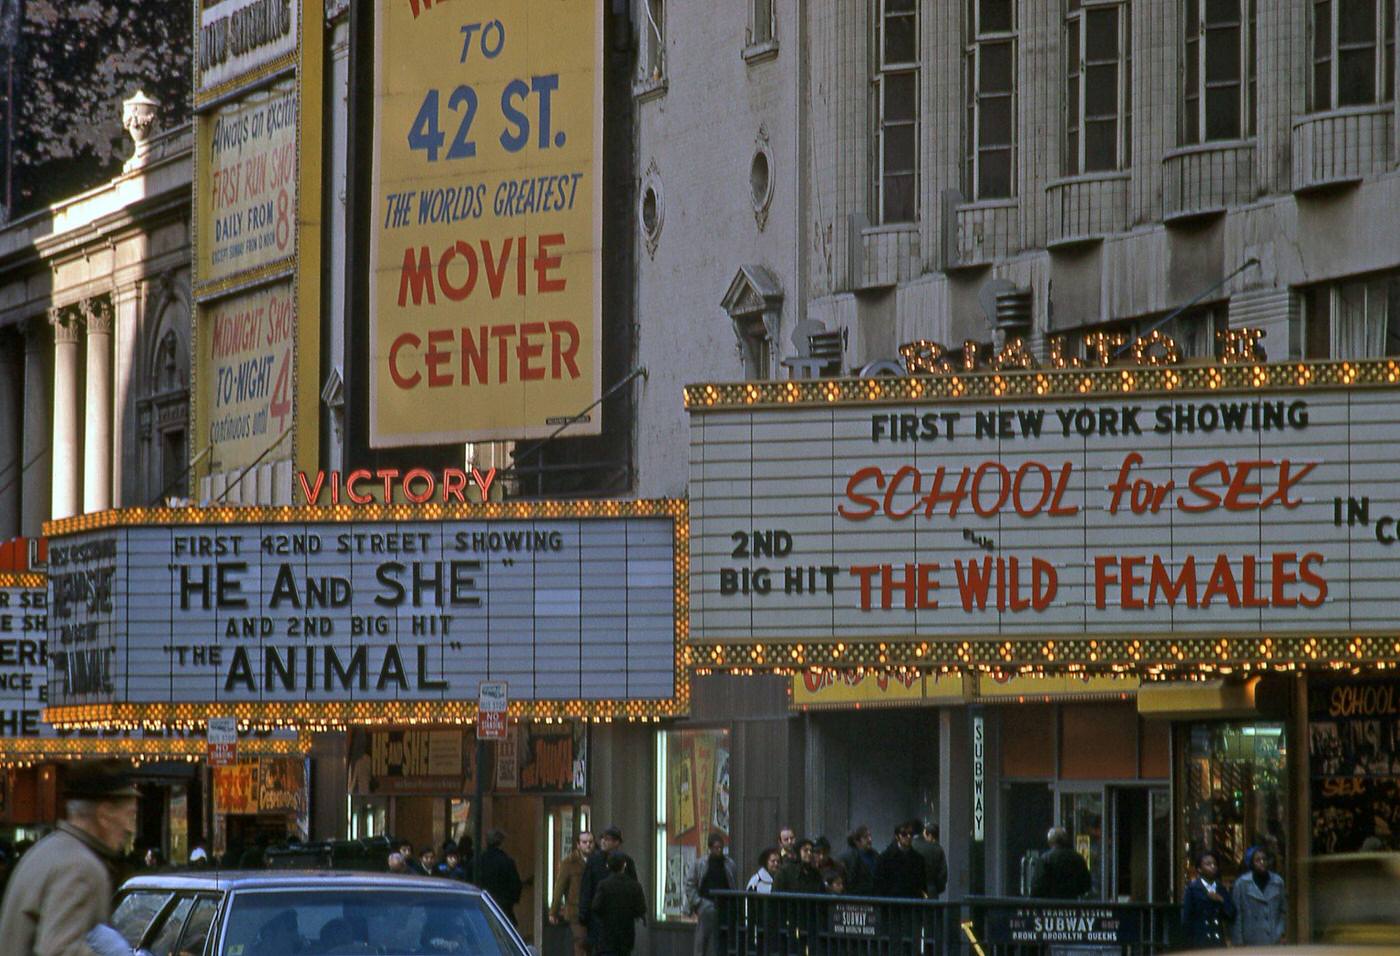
595	871
62	888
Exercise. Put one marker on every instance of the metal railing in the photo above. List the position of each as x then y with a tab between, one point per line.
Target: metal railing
793	924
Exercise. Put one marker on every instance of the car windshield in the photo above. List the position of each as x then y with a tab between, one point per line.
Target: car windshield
346	922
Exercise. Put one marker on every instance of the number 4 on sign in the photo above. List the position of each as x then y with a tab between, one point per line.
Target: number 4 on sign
281	405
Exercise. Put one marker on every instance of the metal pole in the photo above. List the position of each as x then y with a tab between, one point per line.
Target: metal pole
1177	311
478	799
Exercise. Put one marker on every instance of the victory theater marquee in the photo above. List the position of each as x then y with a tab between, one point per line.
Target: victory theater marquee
340	615
1153	518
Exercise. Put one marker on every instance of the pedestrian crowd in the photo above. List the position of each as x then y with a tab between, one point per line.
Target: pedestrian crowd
912	866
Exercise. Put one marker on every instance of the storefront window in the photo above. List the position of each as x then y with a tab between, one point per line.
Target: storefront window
1235	793
692	801
1354	761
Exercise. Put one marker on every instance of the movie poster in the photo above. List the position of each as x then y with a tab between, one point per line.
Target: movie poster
697	774
236	788
281	785
720	819
1354	758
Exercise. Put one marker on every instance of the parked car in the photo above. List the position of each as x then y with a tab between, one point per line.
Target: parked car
283	913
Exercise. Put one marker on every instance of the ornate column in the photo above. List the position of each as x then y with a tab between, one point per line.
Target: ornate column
97	433
34	486
67	330
128	462
11	456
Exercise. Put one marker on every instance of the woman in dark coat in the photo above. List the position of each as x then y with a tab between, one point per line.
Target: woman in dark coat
1206	909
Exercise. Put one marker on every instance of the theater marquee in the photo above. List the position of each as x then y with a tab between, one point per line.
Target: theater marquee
305	616
1241	514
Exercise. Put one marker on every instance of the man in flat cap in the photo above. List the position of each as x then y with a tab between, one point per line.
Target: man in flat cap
62	888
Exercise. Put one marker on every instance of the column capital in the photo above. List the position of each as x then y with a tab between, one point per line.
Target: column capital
67	328
97	313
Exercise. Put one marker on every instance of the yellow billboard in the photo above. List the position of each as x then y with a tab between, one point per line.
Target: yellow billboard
246	178
486	225
257	239
247	380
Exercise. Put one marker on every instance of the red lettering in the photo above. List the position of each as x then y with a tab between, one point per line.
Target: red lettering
865	574
895	482
1319	583
475	358
1250	579
1282	577
869	504
1222	583
502	334
310	493
973	581
1209	499
544	262
460	292
351	480
401	380
1104	565
387	475
436	357
454	483
1128	599
525	351
417	279
1004	486
1286	481
496	271
483	481
1171	589
1240	487
564	355
935	497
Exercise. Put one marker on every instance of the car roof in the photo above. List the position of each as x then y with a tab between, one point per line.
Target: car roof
231	880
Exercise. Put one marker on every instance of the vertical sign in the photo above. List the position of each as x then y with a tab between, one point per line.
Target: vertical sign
979	776
485	291
223	741
257	221
493	702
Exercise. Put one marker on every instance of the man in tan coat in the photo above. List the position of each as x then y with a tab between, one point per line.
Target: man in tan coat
62	888
568	884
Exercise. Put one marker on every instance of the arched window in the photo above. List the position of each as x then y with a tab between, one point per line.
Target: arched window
164	401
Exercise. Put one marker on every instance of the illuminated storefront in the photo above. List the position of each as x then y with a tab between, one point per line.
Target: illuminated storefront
1206	540
368	630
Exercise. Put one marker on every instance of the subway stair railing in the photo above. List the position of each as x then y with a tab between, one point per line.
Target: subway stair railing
792	924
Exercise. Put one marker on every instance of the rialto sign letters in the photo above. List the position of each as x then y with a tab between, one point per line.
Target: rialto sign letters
1254	511
287	611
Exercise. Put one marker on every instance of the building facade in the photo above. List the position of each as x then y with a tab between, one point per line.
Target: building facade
902	181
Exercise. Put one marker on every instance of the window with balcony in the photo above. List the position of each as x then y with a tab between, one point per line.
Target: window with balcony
1219	84
989	163
1098	87
1353	53
1353	319
896	108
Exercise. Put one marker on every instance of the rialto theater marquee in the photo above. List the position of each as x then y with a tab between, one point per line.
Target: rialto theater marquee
1154	517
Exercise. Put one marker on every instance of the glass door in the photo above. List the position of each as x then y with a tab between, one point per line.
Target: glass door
1082	814
1140	844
